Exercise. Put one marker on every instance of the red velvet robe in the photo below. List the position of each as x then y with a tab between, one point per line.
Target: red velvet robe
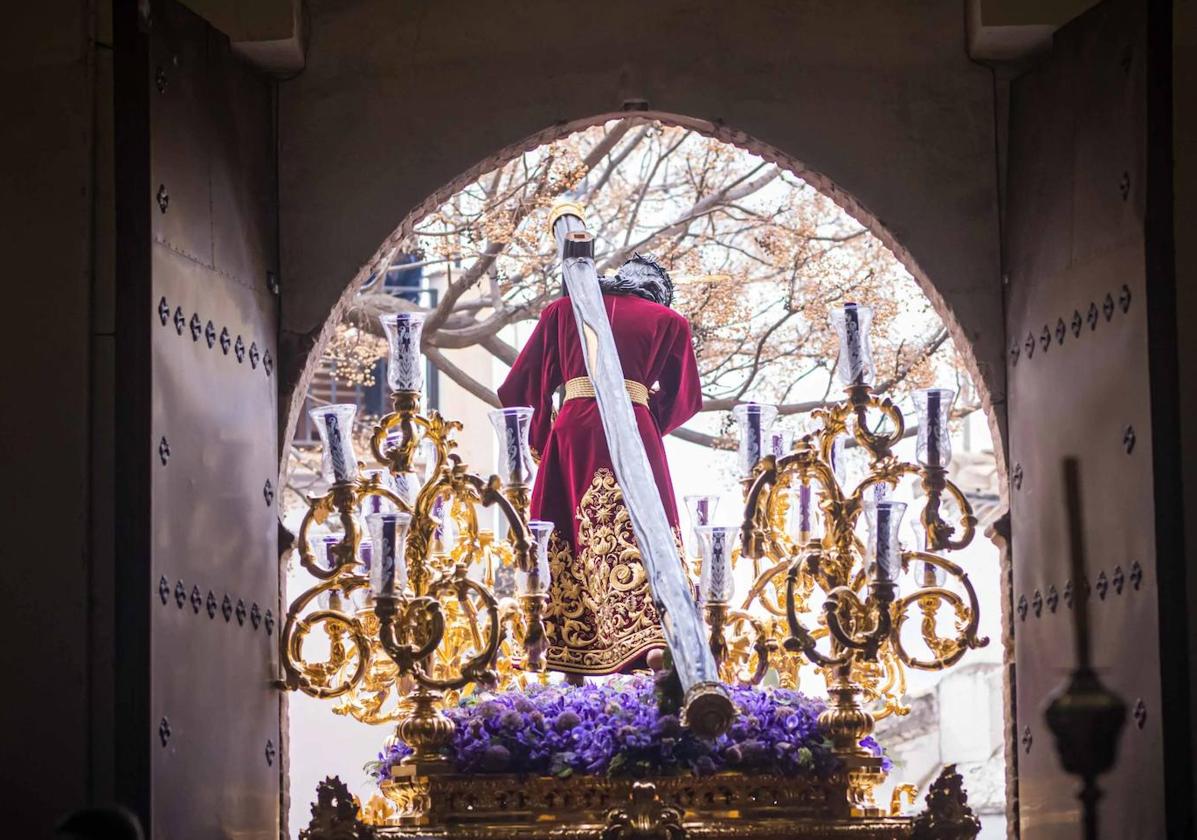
600	617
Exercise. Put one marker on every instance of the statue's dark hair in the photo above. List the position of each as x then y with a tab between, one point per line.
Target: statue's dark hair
642	276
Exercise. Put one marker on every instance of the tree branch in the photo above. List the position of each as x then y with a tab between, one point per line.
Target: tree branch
463	379
699	209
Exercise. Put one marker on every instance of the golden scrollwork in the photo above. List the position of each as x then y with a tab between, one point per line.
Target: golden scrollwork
398	657
827	608
646	817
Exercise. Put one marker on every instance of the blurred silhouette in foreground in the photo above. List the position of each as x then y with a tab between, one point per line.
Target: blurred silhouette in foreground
107	822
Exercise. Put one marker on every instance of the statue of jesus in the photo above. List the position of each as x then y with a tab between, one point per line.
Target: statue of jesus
601	617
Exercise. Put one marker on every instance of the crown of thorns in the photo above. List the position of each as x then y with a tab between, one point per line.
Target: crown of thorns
644	276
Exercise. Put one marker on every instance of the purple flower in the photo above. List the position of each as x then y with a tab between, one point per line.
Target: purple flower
495	759
618	729
870	744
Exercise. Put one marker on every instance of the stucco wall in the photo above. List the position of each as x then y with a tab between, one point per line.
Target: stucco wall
400	99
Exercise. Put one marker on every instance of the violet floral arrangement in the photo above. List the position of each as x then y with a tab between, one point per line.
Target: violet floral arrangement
617	728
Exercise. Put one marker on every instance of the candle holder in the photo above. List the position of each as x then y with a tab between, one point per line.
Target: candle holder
515	455
754	422
716	584
408	628
701	510
852	325
853	630
532	588
739	641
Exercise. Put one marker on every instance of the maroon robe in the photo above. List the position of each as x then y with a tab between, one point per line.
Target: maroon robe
600	617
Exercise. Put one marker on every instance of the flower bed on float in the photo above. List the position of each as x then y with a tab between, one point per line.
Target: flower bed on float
617	729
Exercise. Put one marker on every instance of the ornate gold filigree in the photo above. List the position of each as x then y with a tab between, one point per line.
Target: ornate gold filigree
600	614
516	800
838	617
646	817
948	816
727	806
334	814
399	657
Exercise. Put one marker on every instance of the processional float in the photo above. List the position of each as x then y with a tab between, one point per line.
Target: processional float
433	607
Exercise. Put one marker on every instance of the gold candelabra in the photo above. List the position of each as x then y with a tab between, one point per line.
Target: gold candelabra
820	594
862	612
406	623
432	603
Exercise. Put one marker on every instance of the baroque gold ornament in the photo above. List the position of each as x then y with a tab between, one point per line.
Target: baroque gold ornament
839	599
407	627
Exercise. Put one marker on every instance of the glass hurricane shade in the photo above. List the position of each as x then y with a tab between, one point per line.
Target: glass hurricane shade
379	504
754	421
885	521
701	510
929	573
934	446
445	533
330	599
405	370
535	581
839	463
322	549
407	485
515	455
334	423
716	584
363	596
427	452
388	567
855	364
781	441
804	515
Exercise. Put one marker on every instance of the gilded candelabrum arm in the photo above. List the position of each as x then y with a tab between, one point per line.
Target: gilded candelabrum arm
716	615
490	492
734	656
756	528
874	610
317	678
409	629
343	498
860	399
405	416
939	533
478	668
758	592
929	598
520	497
535	642
801	640
759	532
412	426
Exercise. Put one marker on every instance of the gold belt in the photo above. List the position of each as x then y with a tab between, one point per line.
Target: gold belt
581	388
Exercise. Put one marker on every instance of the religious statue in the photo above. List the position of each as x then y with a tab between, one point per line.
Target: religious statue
601	617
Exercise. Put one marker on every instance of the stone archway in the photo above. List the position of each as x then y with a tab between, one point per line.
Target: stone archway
309	359
822	183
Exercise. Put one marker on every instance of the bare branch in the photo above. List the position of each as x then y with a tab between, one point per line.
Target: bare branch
462	378
700	208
